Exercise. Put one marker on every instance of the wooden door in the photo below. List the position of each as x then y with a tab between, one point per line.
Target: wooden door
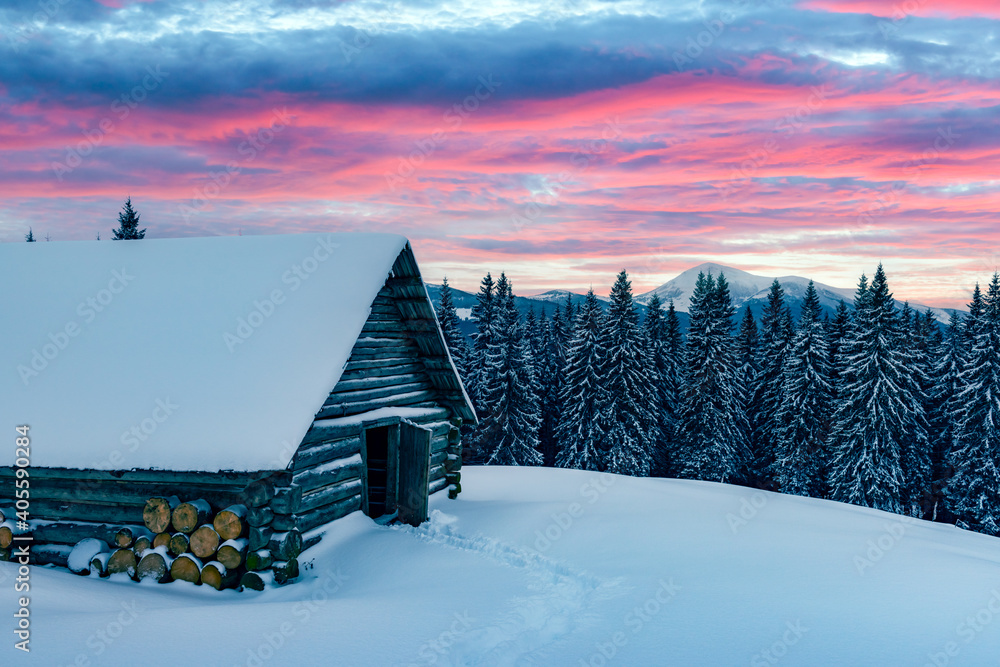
414	472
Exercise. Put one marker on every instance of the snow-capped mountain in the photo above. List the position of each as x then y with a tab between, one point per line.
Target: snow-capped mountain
559	296
750	290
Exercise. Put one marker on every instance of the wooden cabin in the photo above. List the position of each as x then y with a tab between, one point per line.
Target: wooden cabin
303	377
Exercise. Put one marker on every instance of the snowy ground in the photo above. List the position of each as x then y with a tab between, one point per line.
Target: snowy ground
556	567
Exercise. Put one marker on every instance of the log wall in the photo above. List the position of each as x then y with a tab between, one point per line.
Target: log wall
387	368
399	360
69	505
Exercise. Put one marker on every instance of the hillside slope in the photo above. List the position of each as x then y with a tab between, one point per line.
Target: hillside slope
556	567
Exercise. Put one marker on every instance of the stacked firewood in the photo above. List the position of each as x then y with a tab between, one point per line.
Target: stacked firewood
186	541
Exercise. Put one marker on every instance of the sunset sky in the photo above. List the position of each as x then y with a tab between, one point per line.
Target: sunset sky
559	141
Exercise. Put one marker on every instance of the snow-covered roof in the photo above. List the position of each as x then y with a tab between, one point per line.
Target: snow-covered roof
181	354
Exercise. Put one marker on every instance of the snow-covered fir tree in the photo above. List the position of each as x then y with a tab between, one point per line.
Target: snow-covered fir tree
509	421
583	393
484	313
837	331
762	409
920	344
747	356
550	366
532	331
948	363
128	224
654	332
974	490
629	413
974	318
803	414
712	421
673	384
457	343
942	420
571	310
878	441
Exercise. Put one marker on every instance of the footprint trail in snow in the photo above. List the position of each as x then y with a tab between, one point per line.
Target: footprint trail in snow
529	627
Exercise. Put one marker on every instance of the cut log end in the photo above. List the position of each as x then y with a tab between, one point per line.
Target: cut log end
188	516
99	564
142	544
122	561
256	581
218	576
286	546
259	493
259	537
186	568
126	536
158	513
285	571
178	544
231	522
259	560
204	542
162	540
153	566
232	553
259	516
6	537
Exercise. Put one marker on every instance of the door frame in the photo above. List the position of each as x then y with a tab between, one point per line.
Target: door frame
392	466
393	469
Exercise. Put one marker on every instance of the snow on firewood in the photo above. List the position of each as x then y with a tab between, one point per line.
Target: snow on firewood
83	553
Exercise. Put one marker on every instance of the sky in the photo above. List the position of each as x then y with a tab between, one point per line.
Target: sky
559	141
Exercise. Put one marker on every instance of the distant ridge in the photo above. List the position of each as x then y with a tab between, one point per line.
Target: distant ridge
750	290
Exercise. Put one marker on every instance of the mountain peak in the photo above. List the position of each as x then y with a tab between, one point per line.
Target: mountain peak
750	290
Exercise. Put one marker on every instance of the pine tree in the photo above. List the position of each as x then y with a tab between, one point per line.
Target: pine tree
836	335
550	372
712	421
583	395
508	429
974	491
484	313
945	407
569	318
30	236
878	442
747	356
775	336
803	415
630	424
654	334
673	384
919	346
973	321
128	224
533	332
453	336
